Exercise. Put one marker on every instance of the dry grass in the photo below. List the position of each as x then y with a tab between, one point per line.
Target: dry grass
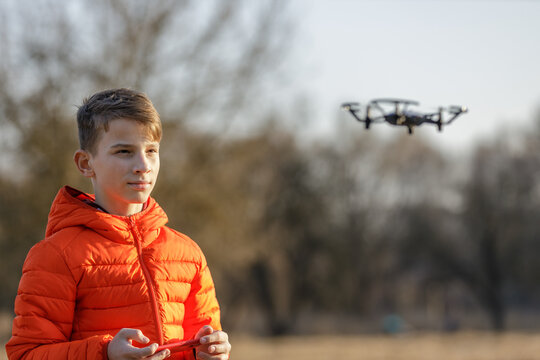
462	346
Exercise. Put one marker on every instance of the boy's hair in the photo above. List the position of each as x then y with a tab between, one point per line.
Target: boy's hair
96	112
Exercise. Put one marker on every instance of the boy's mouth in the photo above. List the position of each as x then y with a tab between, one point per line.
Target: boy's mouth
139	185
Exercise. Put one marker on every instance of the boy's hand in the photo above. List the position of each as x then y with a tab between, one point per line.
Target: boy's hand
214	344
120	347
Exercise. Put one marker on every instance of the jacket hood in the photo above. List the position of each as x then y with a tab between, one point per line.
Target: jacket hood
72	208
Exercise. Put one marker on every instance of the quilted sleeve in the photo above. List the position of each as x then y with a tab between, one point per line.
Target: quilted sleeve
44	310
201	305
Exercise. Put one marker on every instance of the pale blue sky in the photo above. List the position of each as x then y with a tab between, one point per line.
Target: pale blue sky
482	54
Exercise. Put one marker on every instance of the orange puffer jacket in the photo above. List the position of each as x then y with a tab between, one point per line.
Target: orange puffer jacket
97	273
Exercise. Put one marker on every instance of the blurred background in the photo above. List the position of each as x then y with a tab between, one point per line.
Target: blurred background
320	235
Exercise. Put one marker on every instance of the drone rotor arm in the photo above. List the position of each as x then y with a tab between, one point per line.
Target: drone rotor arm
455	111
353	109
377	119
454	117
355	115
376	106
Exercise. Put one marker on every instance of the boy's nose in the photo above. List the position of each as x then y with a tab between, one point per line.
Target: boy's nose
142	164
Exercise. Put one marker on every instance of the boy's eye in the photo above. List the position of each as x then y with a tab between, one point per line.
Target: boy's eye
123	151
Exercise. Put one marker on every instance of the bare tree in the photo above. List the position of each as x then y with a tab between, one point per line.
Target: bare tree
200	62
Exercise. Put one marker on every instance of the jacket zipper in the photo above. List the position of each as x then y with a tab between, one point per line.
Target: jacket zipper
149	282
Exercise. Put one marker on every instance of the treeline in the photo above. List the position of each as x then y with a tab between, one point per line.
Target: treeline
364	229
300	236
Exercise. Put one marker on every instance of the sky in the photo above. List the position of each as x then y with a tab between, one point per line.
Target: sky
481	54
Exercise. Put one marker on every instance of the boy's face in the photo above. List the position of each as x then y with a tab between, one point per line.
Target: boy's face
124	167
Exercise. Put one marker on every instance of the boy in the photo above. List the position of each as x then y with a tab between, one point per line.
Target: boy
110	280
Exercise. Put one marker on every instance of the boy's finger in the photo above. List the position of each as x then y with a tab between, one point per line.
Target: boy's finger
219	348
160	355
145	351
133	334
215	337
205	330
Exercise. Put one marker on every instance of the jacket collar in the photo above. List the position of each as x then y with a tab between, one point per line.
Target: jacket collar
74	208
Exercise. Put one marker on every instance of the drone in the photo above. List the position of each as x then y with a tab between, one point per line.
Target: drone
396	112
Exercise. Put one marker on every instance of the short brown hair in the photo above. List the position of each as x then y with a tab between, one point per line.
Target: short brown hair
96	111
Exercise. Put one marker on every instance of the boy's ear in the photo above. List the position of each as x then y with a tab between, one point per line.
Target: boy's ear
82	160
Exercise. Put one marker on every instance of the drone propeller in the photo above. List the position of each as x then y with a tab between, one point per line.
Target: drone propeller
351	106
456	109
395	101
354	108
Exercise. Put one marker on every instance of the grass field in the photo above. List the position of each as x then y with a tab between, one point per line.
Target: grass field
462	346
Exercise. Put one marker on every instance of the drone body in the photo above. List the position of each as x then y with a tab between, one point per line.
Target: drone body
396	112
